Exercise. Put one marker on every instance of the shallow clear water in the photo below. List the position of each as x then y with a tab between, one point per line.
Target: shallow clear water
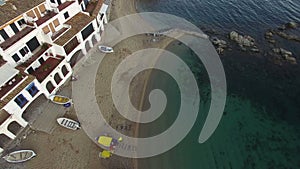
260	126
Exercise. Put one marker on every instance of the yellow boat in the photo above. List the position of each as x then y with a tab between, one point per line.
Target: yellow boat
60	99
105	154
108	143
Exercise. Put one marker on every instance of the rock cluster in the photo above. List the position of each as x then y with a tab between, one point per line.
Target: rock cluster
280	31
244	42
286	55
220	44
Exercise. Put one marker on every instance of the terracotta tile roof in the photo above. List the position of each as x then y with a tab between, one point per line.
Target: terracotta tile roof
7	12
77	22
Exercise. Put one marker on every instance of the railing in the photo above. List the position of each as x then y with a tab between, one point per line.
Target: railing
58	33
70	46
12	40
45	18
42	72
11	84
64	5
36	55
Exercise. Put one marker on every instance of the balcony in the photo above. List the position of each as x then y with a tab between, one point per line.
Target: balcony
36	55
58	33
64	5
11	84
12	40
70	46
17	90
45	18
46	68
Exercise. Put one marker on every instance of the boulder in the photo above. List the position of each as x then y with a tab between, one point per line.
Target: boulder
285	52
268	34
255	50
220	50
233	35
291	25
291	60
272	41
276	50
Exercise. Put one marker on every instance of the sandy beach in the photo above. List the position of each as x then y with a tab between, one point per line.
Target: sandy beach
65	148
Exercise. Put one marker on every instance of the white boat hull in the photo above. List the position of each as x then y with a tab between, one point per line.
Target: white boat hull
106	49
19	156
68	123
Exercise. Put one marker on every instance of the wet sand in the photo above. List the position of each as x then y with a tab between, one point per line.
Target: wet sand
73	149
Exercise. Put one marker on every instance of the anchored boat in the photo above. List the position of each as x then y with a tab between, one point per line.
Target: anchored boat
19	156
106	49
68	123
58	99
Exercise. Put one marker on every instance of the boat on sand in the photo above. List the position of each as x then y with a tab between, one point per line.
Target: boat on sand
106	49
58	99
19	156
68	123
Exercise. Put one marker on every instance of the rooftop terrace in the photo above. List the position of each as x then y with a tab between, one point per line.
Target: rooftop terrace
64	5
16	91
19	35
46	68
45	18
77	22
8	12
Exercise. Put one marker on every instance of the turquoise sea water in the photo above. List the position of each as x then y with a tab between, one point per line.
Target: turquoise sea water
260	125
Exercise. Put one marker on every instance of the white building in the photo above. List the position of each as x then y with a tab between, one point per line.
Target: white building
40	42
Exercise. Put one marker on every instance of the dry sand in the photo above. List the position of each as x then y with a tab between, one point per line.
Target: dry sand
73	149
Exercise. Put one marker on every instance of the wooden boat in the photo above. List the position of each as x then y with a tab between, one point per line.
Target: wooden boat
19	156
108	143
68	123
58	99
106	49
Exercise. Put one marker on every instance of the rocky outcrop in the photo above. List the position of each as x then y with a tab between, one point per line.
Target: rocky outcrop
245	42
285	54
219	44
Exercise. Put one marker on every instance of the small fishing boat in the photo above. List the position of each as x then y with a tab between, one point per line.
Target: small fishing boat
108	143
68	123
19	156
105	154
58	99
106	49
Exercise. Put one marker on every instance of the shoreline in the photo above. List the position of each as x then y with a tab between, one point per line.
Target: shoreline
116	14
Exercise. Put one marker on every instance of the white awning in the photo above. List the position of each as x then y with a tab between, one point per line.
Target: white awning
103	8
6	73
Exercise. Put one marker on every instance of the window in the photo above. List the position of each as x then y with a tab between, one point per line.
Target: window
87	31
21	100
16	57
14	27
4	34
21	22
33	44
24	51
101	17
32	90
66	15
41	60
30	70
